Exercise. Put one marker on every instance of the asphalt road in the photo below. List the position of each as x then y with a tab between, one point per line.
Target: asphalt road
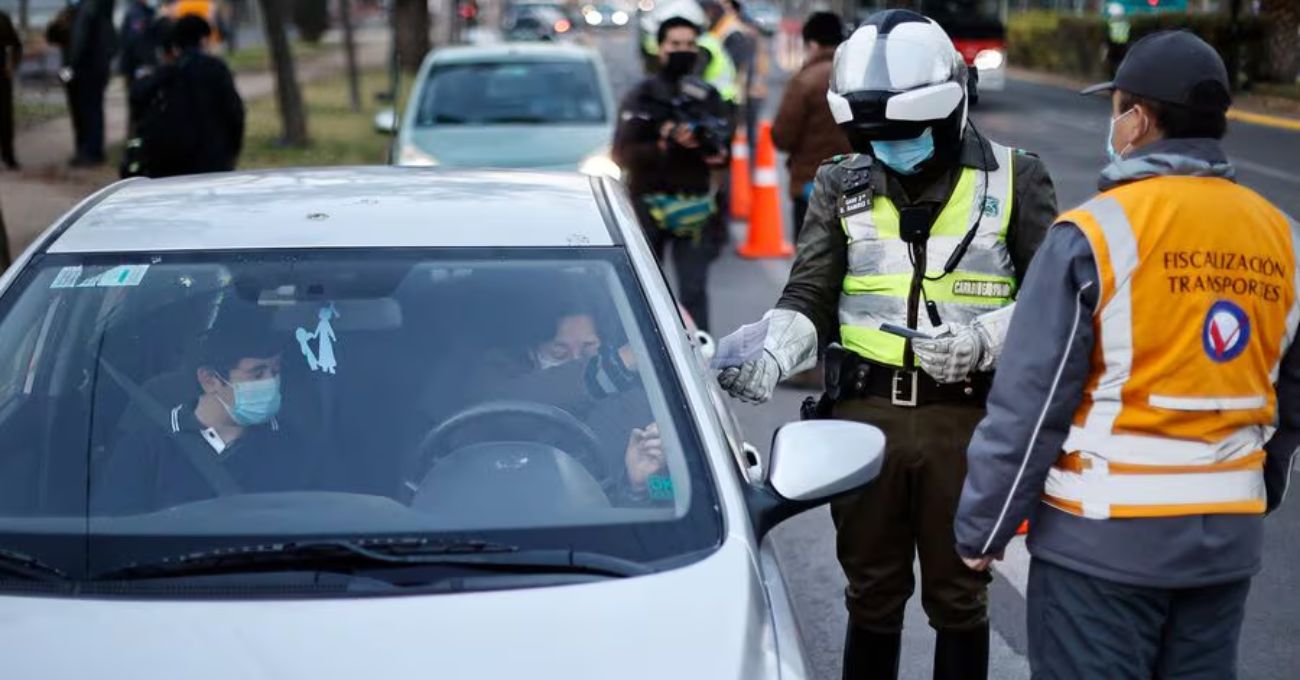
1067	131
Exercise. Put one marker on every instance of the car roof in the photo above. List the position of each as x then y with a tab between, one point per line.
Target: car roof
511	51
341	207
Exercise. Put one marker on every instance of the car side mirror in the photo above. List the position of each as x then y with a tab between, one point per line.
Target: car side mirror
812	463
386	122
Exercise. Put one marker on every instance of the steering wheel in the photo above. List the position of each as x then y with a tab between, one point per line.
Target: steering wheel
481	422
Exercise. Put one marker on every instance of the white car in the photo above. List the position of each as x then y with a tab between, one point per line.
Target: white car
381	423
534	106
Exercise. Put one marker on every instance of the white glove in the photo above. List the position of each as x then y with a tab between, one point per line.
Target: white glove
963	350
790	346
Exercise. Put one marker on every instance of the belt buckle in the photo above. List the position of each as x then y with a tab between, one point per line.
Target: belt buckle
906	396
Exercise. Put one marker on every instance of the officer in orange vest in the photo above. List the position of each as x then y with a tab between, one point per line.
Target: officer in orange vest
1150	412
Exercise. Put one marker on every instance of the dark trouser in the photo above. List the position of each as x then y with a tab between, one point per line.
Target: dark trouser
1085	627
907	511
691	259
800	208
7	121
88	108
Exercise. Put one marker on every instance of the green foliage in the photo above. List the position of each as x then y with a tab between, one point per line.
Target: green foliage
1079	45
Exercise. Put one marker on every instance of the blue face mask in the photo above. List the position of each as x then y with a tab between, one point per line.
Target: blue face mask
1111	153
256	401
905	156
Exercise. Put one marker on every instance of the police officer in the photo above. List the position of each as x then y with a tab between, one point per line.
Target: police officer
930	227
1155	355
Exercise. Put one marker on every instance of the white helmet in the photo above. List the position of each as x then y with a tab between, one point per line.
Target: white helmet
689	10
896	76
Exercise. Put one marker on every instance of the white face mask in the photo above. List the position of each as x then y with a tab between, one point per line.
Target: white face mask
1110	135
546	362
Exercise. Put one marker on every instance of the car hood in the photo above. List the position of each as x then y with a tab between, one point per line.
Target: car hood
552	147
705	620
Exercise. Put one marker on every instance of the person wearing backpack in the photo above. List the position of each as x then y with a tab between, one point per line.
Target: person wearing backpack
193	117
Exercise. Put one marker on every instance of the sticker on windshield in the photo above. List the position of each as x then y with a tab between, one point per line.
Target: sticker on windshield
121	276
67	277
322	358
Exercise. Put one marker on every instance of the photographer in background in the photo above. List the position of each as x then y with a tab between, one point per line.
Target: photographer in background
672	132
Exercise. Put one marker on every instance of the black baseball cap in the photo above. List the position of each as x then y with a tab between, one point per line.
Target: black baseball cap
1175	67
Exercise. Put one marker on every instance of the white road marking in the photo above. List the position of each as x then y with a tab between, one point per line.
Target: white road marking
1267	170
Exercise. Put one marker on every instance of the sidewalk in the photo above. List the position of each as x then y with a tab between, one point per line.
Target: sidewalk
46	187
1275	112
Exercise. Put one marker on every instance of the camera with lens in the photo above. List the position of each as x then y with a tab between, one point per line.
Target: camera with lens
712	132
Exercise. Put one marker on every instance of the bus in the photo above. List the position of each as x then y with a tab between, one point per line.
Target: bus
977	30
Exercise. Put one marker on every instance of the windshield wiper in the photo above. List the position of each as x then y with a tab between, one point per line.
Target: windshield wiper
28	567
349	555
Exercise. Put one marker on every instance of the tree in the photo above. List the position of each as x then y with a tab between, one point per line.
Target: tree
312	18
350	49
411	32
288	96
1282	19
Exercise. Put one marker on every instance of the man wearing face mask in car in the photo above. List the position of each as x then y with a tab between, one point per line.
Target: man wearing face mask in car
232	420
925	231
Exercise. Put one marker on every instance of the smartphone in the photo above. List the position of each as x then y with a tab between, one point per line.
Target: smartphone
905	332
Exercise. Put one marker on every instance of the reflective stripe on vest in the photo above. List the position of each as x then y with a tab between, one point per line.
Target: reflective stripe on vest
1191	325
719	72
880	268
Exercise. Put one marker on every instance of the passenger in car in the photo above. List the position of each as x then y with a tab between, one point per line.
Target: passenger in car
224	440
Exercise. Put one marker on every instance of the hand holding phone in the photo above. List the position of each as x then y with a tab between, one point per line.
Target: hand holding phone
905	332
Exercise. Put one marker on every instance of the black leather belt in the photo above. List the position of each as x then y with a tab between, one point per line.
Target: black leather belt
849	376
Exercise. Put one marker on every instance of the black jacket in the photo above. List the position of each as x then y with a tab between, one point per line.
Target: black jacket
93	39
149	470
653	102
139	39
192	118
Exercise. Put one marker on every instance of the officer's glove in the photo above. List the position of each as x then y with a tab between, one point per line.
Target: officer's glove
789	346
959	350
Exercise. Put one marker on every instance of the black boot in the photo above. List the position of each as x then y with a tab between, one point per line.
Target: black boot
871	656
962	654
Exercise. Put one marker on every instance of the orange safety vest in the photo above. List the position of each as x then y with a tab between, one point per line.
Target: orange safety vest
1198	304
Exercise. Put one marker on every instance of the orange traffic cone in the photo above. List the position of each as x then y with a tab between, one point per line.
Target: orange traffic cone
1024	528
766	235
740	186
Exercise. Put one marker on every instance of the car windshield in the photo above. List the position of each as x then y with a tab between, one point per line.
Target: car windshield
166	404
539	92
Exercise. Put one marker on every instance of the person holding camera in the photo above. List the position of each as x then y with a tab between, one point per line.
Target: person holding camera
672	132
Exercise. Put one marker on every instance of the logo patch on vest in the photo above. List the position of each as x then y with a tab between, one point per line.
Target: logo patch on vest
1226	332
992	206
984	289
855	203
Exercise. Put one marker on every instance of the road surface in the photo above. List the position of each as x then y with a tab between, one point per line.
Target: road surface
1068	132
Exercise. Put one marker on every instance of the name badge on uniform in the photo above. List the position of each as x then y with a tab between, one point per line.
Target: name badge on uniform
855	203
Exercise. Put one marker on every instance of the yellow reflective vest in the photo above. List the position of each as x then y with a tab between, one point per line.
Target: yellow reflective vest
1197	303
880	266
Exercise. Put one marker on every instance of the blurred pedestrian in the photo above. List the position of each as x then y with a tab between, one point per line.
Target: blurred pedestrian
673	132
11	52
756	79
93	42
192	117
139	45
59	32
1150	413
804	127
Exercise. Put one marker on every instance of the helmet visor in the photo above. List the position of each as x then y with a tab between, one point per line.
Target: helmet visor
895	62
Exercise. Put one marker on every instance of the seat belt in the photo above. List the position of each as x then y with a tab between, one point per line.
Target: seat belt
199	455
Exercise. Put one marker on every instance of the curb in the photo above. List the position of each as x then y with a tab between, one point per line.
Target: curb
1264	119
1234	113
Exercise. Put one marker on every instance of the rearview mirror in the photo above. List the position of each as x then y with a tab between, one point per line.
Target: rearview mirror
812	463
386	122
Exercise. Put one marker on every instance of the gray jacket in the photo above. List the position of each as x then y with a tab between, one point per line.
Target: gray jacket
1035	394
